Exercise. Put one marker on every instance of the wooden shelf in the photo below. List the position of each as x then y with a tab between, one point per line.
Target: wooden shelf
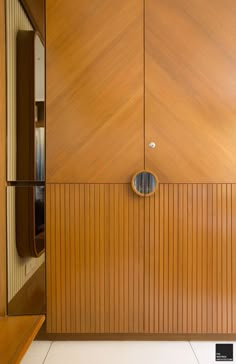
16	335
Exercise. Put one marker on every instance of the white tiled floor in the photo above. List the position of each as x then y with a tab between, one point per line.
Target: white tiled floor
124	352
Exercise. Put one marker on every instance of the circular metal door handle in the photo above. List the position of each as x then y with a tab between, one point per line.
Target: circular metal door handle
144	183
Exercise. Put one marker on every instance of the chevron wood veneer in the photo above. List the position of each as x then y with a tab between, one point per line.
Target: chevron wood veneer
119	263
190	72
95	90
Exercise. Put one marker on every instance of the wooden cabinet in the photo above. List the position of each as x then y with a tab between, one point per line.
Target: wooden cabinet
119	76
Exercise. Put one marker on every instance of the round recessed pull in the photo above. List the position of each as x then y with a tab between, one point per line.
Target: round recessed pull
152	145
144	183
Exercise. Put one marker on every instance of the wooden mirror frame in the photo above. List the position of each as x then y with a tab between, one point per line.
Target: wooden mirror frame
28	243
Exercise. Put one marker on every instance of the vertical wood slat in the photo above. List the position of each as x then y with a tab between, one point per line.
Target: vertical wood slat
117	263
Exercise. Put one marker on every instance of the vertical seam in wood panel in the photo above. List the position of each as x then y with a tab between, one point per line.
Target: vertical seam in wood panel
144	267
154	270
207	253
187	245
88	242
217	287
221	268
232	300
202	265
183	228
212	249
170	256
159	242
85	274
192	294
163	256
128	268
173	244
124	255
104	259
109	259
59	245
118	260
75	258
51	254
196	254
133	236
93	263
100	254
60	249
54	253
138	262
149	263
114	256
226	243
79	258
70	245
177	265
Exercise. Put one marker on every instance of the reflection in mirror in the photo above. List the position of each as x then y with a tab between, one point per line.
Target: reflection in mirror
26	125
25	163
25	250
30	107
144	183
39	116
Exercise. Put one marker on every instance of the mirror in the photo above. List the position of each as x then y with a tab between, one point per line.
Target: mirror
26	124
25	163
144	183
25	248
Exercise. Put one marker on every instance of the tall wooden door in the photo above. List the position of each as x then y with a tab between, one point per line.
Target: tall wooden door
190	113
95	143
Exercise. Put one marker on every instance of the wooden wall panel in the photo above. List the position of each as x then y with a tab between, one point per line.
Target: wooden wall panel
95	258
119	263
94	66
190	93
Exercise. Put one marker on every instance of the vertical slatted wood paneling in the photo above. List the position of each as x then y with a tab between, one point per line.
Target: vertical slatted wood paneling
119	263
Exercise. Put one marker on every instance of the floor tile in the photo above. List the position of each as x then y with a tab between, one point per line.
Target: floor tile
37	352
120	353
205	351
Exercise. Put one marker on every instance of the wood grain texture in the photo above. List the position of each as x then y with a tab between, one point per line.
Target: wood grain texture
3	297
95	258
118	263
94	89
35	9
190	68
16	335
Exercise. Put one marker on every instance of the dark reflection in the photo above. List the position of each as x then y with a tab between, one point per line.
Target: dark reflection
144	183
26	247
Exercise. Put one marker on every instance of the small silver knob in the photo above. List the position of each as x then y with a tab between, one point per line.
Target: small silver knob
152	145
